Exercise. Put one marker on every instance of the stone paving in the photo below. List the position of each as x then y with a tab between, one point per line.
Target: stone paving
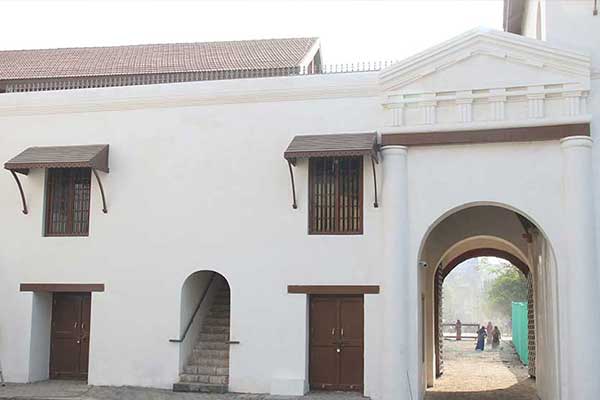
469	375
69	390
489	375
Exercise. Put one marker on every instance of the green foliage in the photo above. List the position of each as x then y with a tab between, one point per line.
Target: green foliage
508	284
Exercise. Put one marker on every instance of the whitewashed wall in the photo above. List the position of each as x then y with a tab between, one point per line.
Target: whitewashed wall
192	186
198	182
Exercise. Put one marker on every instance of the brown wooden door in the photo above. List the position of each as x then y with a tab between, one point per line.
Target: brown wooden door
336	342
69	352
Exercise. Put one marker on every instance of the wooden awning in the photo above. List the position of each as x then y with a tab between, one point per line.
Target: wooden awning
93	156
88	156
332	145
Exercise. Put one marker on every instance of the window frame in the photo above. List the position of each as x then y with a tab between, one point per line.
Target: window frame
311	187
48	204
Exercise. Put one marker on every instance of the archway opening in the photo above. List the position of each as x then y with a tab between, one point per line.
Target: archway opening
468	233
204	333
486	331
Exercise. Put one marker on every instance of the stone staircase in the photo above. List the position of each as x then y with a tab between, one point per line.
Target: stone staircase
207	369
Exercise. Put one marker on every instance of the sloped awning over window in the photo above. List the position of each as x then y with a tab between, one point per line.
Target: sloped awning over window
94	157
333	145
88	156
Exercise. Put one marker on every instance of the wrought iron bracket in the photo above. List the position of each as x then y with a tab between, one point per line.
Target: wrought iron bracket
373	161
294	204
14	174
104	209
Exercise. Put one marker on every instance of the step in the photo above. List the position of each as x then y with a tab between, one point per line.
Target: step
202	378
199	387
215	329
213	337
211	353
210	321
218	314
212	345
209	362
206	370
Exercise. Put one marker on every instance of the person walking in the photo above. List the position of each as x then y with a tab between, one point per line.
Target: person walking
489	329
496	336
481	335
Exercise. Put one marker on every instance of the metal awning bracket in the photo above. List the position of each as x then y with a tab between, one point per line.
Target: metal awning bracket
104	209
290	163
14	174
373	161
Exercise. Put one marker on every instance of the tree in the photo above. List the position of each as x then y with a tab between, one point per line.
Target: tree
507	284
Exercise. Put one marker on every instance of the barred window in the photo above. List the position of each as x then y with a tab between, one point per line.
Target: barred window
68	201
335	192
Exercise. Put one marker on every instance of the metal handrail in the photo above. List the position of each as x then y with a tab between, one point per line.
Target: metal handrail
189	325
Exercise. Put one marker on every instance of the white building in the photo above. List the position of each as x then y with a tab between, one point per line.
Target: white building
481	145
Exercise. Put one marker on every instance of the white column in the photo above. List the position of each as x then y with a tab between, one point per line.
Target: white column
396	277
583	291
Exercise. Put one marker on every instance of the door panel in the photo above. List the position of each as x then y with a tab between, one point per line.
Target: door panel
85	334
324	321
70	320
352	334
323	356
351	368
336	342
323	367
352	329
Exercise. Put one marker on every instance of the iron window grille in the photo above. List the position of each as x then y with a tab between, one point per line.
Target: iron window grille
336	195
68	201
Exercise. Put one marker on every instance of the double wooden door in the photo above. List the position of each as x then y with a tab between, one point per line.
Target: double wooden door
69	352
336	342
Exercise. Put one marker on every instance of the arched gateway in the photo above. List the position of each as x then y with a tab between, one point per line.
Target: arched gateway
546	224
479	154
493	230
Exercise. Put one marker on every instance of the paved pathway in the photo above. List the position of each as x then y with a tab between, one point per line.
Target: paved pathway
469	375
68	390
491	375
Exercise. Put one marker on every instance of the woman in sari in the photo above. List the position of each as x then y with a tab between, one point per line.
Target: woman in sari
496	336
481	335
489	328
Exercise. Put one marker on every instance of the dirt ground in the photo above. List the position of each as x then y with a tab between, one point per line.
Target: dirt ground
489	375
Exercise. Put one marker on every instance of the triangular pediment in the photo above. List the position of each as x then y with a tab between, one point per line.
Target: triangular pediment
484	59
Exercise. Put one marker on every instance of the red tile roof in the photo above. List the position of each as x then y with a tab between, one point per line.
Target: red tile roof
154	58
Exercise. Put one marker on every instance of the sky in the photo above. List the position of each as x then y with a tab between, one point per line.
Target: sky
350	31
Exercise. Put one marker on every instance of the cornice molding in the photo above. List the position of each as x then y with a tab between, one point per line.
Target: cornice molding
167	96
475	126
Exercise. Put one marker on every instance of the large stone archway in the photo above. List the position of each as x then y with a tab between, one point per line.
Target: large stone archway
491	230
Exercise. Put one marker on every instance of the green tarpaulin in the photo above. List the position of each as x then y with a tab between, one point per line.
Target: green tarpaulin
520	330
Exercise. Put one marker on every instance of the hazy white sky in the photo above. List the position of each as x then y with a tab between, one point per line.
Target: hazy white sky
350	31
